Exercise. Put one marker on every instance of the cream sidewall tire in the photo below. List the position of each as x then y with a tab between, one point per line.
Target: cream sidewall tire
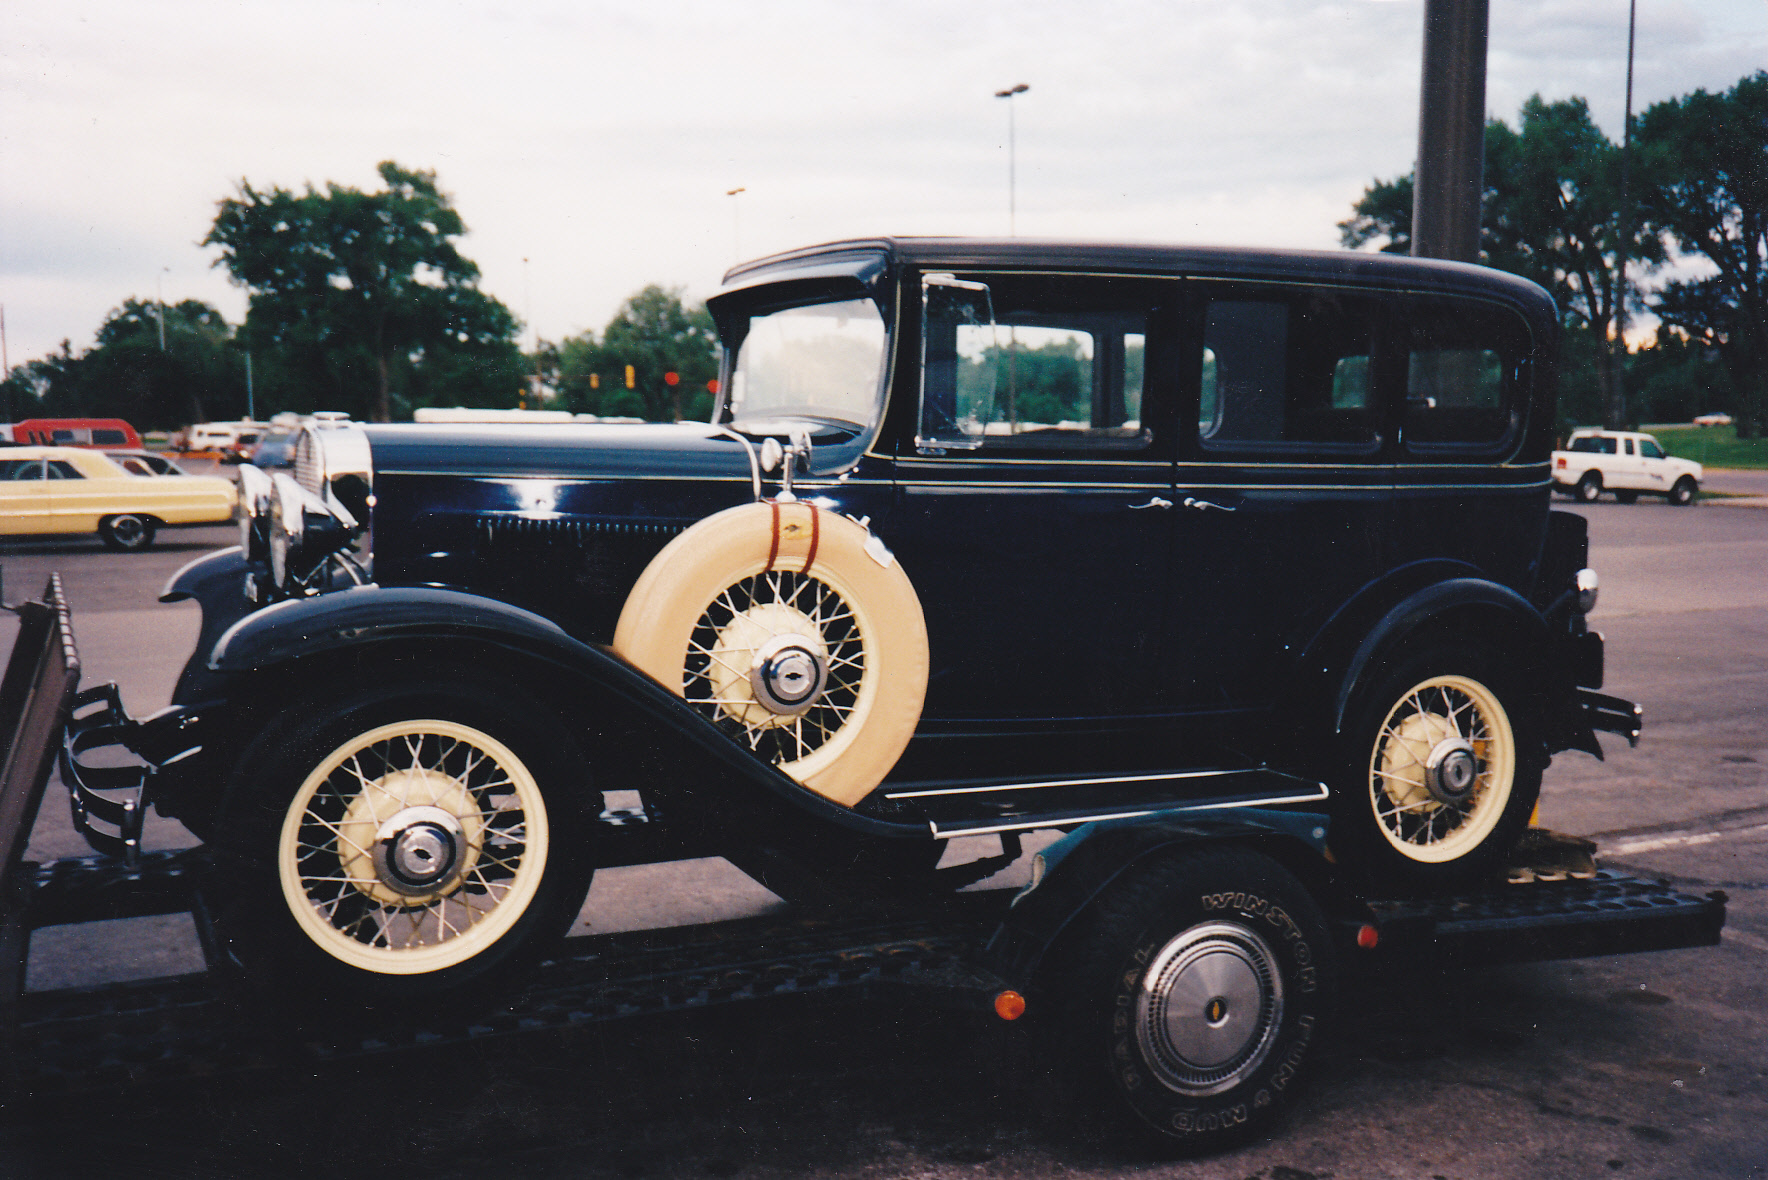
1395	763
456	946
683	581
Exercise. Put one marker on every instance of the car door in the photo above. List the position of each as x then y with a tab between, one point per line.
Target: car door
1655	467
1035	517
24	505
1283	488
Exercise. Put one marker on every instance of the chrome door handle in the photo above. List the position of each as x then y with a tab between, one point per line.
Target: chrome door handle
1156	502
1206	505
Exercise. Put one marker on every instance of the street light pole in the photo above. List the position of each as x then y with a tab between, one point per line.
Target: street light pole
1012	159
1616	417
159	299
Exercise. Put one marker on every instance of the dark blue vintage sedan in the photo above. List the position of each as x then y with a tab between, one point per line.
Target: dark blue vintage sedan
983	537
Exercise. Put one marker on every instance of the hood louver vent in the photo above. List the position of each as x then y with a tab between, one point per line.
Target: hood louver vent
493	528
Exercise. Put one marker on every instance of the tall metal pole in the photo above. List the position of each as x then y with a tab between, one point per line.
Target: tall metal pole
1012	159
159	299
1451	131
251	410
1617	392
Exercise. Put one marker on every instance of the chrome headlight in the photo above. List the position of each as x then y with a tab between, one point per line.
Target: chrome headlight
333	461
303	531
254	512
1586	585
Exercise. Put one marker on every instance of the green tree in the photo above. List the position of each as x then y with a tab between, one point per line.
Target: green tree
1704	159
365	295
197	375
656	334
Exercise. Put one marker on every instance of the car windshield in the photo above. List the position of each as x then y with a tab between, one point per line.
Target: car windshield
825	360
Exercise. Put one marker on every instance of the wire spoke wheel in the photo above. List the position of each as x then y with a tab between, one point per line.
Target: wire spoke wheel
1442	768
413	847
778	610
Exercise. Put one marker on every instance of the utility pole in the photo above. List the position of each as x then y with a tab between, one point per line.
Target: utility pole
251	414
159	299
1616	418
1451	131
1012	159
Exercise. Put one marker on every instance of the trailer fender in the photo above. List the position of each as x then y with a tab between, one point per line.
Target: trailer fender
1070	874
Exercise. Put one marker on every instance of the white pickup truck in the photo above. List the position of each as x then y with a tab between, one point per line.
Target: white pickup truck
1624	463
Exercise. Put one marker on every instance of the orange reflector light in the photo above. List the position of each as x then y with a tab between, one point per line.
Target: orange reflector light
1368	936
1009	1005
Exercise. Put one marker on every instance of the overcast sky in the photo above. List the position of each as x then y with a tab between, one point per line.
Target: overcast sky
598	141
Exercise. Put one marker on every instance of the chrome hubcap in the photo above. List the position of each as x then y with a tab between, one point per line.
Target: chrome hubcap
788	674
1451	771
1209	1008
418	851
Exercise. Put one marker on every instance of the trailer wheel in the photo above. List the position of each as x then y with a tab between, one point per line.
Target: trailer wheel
1187	1007
1440	771
417	840
789	628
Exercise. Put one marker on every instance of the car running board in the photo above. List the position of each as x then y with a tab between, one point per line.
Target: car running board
982	807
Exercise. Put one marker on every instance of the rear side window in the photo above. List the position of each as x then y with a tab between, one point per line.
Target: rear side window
1288	372
1465	365
109	438
1592	445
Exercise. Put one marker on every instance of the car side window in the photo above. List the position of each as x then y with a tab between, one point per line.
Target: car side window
1286	372
1062	367
1650	449
21	469
62	469
1629	445
1465	368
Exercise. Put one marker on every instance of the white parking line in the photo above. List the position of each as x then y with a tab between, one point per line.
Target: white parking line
1655	843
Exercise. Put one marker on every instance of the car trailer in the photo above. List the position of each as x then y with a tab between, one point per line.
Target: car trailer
1047	952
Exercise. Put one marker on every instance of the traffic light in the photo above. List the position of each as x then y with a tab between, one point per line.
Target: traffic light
631	377
595	380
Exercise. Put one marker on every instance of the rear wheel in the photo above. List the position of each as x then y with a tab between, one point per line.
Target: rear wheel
1186	1008
412	842
1440	770
1589	488
128	532
1682	494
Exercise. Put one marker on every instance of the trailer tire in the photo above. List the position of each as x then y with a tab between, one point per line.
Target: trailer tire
838	608
1185	1009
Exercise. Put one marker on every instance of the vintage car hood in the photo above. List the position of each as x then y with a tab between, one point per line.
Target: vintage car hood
556	450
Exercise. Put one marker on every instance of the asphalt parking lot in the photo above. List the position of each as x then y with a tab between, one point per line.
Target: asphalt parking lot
1646	1065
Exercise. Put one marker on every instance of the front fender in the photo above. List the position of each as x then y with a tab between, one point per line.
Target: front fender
353	622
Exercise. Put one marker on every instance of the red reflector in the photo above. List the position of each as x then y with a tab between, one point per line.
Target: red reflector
1009	1005
1559	463
1367	937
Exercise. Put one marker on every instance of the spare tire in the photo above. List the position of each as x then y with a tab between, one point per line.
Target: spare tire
796	632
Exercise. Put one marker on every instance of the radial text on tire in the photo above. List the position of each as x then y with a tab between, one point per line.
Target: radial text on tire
1187	1006
795	632
1440	770
411	841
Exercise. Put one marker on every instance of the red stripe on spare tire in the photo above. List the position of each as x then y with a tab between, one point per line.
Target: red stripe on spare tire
815	532
773	549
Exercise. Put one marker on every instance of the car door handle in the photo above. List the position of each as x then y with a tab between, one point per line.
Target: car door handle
1156	502
1206	505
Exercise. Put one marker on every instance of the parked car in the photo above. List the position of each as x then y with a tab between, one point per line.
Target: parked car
149	463
101	433
1625	462
982	536
46	490
276	447
1712	420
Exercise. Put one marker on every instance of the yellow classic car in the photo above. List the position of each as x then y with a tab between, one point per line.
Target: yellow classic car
68	490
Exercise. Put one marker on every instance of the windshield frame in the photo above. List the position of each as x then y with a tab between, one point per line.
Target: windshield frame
736	324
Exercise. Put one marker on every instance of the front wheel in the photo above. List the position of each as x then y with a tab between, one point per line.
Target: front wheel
1589	489
1188	1005
1440	771
412	842
127	533
1682	494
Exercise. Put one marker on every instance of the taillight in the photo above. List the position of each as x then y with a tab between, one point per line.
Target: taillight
1560	463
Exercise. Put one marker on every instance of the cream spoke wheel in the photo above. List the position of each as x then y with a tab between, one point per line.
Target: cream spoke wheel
413	847
1442	769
